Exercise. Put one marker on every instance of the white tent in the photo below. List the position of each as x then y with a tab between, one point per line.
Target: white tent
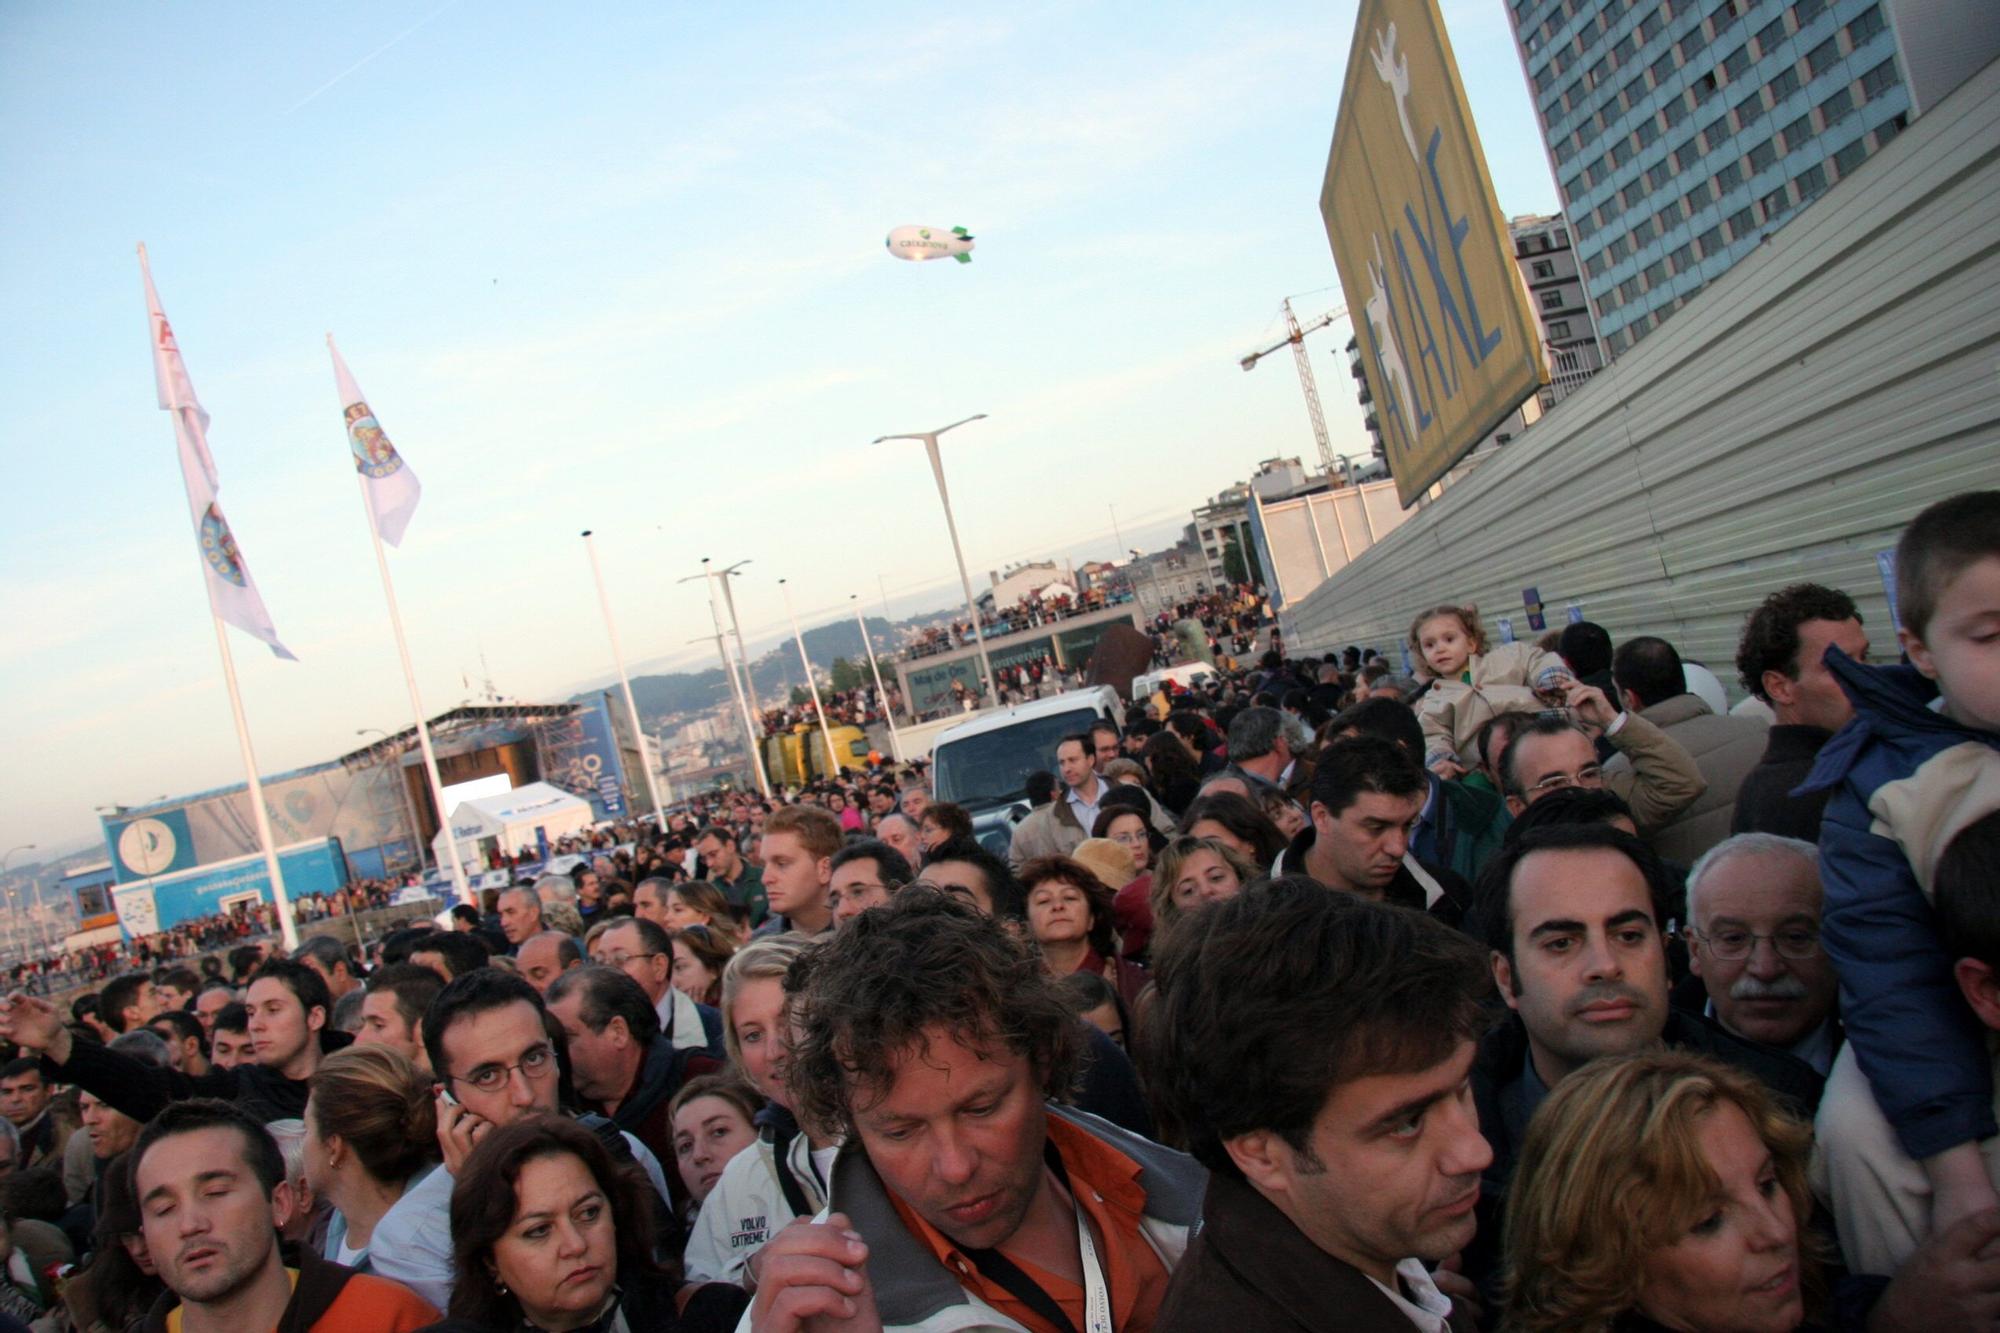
511	818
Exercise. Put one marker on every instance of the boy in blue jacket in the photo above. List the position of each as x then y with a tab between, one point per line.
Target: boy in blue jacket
1918	763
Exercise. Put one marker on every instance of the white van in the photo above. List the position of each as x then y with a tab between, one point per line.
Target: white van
1188	675
983	763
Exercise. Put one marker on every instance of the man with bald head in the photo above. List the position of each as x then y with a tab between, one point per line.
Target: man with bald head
546	955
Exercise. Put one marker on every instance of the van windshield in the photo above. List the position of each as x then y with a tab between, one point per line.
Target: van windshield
992	768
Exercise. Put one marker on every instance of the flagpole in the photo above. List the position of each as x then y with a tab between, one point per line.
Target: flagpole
826	732
625	682
458	879
895	737
288	929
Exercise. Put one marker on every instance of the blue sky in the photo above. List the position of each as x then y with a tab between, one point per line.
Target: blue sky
621	267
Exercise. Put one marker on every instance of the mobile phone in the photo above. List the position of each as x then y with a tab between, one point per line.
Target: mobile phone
444	1094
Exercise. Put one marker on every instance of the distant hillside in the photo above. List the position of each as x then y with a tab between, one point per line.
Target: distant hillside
774	674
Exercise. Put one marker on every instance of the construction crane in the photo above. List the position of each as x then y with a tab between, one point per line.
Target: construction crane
1296	339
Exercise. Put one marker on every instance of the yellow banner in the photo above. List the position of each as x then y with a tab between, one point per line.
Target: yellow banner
1449	346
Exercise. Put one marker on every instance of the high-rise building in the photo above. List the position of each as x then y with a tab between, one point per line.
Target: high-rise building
1682	131
1554	279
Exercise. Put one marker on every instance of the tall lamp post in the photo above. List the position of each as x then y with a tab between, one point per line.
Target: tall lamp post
723	577
750	737
930	439
825	731
888	713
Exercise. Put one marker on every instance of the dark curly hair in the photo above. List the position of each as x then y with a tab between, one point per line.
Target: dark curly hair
873	991
1770	639
485	1197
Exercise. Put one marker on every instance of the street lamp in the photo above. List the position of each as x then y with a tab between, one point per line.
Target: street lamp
14	894
736	687
930	439
826	732
888	713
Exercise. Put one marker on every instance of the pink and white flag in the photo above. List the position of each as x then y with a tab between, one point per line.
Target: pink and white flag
231	592
392	488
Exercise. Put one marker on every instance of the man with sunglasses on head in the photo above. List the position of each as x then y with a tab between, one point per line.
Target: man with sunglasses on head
1559	749
499	1058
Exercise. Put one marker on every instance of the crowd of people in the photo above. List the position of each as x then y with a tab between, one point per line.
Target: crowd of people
1031	612
1533	993
860	706
67	969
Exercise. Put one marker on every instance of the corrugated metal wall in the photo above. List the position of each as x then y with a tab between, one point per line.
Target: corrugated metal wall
1782	426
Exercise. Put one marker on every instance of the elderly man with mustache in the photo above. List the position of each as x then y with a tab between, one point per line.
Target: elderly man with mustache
1753	903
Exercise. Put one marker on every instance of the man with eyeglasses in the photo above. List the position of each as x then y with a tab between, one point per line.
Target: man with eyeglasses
1754	907
865	874
1557	750
496	1052
643	951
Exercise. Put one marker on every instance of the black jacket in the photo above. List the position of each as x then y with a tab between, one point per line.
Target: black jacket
1765	804
1403	890
141	1090
1249	1267
1496	1079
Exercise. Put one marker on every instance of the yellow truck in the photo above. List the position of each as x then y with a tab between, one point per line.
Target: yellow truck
796	757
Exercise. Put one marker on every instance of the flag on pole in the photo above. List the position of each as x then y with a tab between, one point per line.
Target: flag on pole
392	488
231	592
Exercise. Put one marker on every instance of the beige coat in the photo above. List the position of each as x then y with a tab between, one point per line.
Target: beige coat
1724	750
1504	680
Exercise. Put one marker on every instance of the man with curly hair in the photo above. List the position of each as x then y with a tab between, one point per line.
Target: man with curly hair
1780	659
930	1039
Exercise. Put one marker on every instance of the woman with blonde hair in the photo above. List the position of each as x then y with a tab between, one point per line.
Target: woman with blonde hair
1656	1191
784	1173
1193	873
371	1133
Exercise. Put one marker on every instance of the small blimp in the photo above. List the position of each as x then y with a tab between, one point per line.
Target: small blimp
917	244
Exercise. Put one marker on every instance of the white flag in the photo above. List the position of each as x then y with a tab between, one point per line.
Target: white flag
392	488
231	593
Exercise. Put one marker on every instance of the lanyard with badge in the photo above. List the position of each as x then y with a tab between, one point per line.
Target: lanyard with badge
1096	1294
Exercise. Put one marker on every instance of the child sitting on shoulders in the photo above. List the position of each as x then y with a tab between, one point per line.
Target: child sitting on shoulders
1919	763
1475	683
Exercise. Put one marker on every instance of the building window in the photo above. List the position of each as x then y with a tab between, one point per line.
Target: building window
1728	178
1822	57
1620	247
1552	300
1762	156
1543	268
1628	290
1737	63
1628	46
1889	129
1865	25
1805	11
1750	110
1715	134
1651	25
1741	223
1836	109
1586	227
1685	156
1683	258
1663	69
1642	233
1647	132
1785	84
1558	328
1632	195
1810	182
1770	35
1690	46
1669	217
1656	273
1698	198
1879	80
1709	242
1674	110
1848	158
1775	204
